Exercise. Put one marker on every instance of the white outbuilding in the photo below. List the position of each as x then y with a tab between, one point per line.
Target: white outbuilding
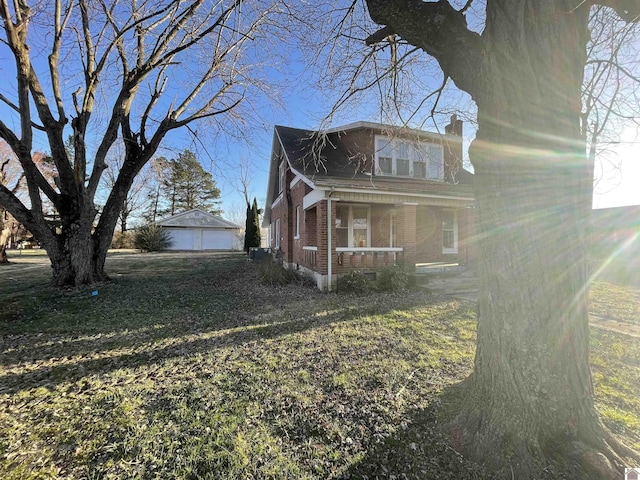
199	230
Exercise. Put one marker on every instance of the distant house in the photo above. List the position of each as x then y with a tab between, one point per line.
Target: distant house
367	195
199	230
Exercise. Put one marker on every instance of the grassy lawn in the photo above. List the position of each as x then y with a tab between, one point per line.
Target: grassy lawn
616	302
187	367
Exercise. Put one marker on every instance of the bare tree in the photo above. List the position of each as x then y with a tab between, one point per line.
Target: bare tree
11	178
611	87
132	69
529	404
158	171
139	191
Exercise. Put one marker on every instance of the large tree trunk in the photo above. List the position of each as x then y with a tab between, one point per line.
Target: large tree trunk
529	402
78	251
5	233
6	227
75	254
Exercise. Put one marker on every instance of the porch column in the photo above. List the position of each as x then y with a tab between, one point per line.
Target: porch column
322	232
406	232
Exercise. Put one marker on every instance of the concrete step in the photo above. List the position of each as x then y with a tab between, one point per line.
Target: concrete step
450	286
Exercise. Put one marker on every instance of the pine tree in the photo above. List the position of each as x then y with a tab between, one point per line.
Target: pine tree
254	238
189	186
247	228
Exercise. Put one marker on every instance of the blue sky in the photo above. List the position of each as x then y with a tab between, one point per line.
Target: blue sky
304	106
617	184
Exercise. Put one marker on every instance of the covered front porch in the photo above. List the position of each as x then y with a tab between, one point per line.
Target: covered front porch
339	235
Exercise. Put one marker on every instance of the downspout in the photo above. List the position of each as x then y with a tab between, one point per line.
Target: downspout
329	256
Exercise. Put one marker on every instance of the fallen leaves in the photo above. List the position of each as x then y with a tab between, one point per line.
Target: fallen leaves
200	371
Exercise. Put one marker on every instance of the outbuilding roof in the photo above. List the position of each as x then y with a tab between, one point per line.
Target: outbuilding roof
197	218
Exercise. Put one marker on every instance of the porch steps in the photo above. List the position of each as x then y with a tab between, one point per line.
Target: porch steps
459	282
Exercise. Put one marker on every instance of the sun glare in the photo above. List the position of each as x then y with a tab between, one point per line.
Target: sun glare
618	177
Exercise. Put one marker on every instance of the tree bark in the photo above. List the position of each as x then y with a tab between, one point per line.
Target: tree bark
5	233
529	403
75	258
530	398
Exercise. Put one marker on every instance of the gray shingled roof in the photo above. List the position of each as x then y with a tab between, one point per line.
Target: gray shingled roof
342	168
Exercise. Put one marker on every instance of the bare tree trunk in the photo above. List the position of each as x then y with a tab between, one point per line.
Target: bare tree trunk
75	259
5	234
124	215
78	252
529	402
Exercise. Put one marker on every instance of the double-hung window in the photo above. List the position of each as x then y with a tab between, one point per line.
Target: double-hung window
404	158
352	226
384	157
449	232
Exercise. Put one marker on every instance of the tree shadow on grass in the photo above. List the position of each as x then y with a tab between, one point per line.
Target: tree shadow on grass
166	343
419	450
148	308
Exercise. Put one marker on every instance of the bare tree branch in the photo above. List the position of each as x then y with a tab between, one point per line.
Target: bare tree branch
438	29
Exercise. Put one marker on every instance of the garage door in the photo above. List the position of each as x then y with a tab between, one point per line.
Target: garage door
183	238
217	240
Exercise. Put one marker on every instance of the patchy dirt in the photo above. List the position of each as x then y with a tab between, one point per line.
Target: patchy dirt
616	326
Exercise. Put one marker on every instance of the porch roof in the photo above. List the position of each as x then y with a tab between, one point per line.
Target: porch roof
404	186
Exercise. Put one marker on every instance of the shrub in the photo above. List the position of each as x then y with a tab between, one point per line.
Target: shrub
123	240
152	238
391	279
272	272
303	279
354	281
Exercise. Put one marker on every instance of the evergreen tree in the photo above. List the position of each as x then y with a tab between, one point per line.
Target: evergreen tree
247	228
254	238
189	186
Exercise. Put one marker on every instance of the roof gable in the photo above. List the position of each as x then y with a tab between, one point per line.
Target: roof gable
197	218
347	152
343	157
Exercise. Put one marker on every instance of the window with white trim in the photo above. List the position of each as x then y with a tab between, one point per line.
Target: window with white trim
449	231
404	158
277	234
352	226
297	222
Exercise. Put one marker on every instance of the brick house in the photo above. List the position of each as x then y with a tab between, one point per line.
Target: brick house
366	195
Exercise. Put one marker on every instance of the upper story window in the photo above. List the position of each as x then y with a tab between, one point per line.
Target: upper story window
404	158
281	176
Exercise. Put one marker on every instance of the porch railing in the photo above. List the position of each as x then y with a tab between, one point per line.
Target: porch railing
310	255
369	257
359	257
